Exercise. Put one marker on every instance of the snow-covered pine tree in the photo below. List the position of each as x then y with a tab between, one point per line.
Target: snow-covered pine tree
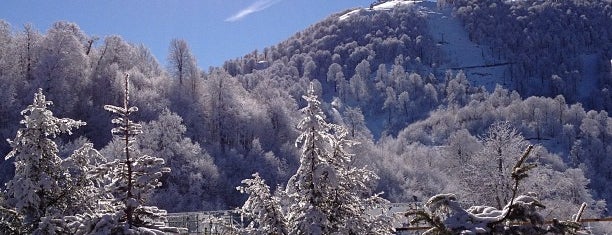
41	186
315	178
10	221
83	191
354	208
262	209
328	196
132	177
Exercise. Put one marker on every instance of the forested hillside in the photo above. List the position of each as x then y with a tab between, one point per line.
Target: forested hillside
555	47
424	127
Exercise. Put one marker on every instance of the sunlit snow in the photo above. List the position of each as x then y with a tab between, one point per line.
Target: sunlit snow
380	7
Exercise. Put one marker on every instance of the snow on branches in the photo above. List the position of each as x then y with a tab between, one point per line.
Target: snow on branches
261	208
327	194
519	216
127	183
41	186
133	176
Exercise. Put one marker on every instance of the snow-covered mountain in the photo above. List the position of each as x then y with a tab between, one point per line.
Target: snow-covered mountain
436	73
426	87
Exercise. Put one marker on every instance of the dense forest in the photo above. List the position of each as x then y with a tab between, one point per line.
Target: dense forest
423	128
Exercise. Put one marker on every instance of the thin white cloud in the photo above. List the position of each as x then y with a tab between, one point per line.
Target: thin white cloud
258	5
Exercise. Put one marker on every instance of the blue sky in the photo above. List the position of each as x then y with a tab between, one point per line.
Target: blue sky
216	30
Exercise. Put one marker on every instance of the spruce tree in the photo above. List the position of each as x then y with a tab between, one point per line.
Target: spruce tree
134	175
81	193
262	209
130	179
41	185
315	177
328	195
352	203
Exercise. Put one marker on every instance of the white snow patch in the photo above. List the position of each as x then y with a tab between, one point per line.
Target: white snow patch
386	6
349	14
391	4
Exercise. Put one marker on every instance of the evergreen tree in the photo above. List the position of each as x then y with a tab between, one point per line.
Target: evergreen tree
315	175
351	207
134	176
11	222
83	191
41	186
327	196
131	179
262	208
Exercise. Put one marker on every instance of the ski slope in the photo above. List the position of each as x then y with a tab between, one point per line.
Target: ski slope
476	60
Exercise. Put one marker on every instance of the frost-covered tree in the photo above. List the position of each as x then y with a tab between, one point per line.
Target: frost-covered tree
351	199
456	89
315	177
62	69
131	178
460	149
11	222
182	64
135	175
27	47
194	174
41	185
484	165
501	145
390	103
355	123
520	215
327	194
84	190
262	209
